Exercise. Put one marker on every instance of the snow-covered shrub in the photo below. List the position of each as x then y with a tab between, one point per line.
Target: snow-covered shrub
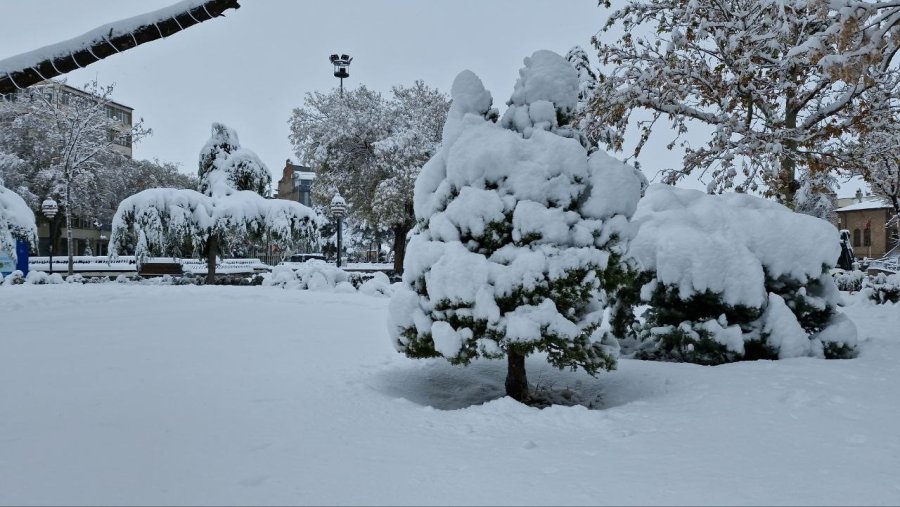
318	275
884	288
344	288
521	234
378	285
76	278
281	276
43	278
312	275
848	281
735	277
126	278
14	278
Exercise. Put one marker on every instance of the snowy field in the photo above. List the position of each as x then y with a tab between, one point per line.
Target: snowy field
125	394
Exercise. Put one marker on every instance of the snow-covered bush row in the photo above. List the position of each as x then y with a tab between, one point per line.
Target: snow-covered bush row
319	275
732	277
849	281
521	232
883	288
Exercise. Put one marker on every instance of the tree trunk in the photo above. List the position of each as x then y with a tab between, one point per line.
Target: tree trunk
516	381
787	181
69	243
400	232
212	248
94	48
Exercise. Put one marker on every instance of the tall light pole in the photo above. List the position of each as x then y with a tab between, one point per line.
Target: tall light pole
341	68
338	209
49	208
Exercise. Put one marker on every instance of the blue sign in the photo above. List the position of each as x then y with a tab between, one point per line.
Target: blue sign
7	265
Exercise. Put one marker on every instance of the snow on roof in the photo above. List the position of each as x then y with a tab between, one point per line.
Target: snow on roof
871	204
84	41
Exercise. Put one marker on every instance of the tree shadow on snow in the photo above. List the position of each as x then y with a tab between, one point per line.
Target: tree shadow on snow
438	384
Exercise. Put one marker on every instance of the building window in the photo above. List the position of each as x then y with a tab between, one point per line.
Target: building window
867	237
856	241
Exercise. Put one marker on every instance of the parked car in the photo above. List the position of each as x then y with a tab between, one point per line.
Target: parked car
303	257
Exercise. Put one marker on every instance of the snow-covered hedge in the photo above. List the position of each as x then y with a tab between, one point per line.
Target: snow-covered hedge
849	281
319	275
734	277
883	288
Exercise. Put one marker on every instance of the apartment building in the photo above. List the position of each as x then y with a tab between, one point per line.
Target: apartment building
62	94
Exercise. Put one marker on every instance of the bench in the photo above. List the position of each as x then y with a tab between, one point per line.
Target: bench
151	269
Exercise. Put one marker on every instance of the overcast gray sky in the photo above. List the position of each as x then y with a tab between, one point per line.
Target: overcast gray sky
250	69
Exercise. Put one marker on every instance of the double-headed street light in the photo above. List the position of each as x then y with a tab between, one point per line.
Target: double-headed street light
50	208
341	68
338	210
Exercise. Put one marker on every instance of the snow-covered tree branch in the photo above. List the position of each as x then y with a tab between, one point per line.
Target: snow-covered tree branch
780	83
22	71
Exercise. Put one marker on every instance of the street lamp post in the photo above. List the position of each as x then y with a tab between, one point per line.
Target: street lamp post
341	68
49	208
338	209
99	226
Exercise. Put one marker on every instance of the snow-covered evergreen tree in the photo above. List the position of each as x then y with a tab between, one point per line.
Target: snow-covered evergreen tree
521	234
174	222
225	166
779	84
735	277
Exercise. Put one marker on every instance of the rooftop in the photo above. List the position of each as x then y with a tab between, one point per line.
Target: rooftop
870	204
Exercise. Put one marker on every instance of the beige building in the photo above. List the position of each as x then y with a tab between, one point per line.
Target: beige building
296	183
866	218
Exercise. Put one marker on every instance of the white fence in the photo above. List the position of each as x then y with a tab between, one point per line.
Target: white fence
127	264
887	265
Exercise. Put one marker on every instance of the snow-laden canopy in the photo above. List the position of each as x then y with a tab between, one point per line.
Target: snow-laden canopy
16	221
166	220
728	243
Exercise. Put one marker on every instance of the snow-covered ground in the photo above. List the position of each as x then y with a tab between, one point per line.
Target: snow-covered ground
137	394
